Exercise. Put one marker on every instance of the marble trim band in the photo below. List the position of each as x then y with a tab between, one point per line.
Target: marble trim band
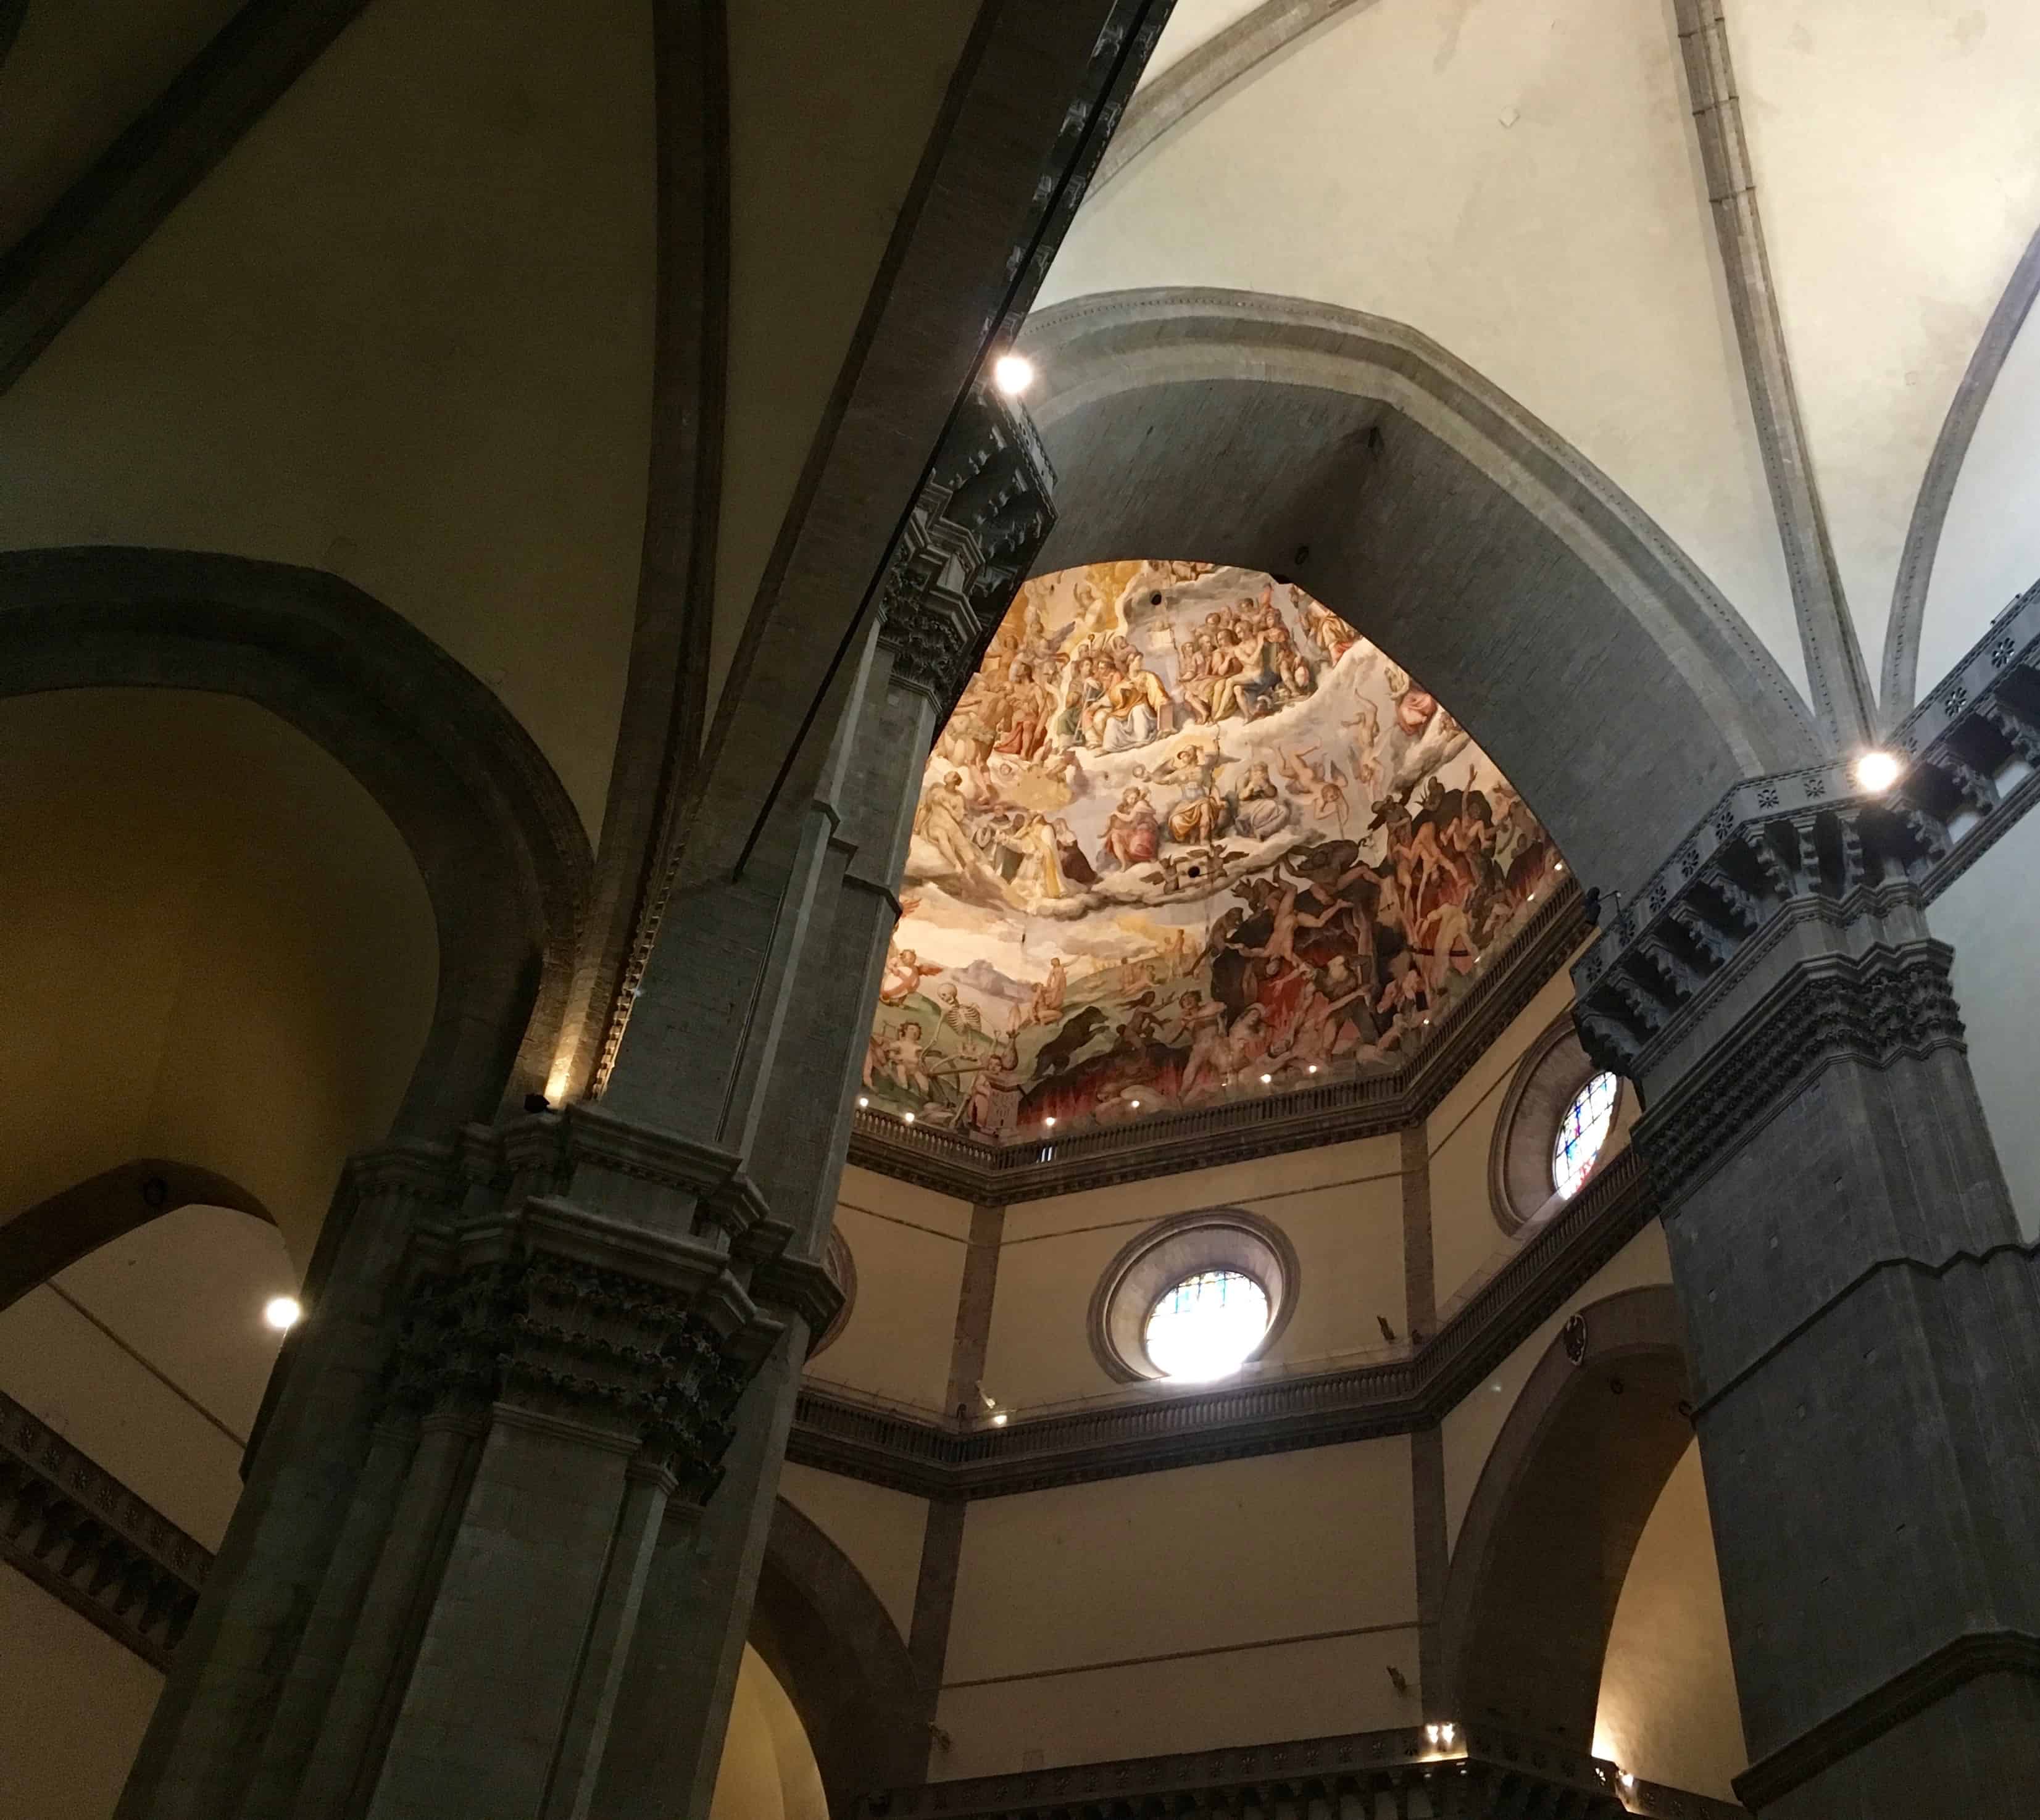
1368	1106
1481	1771
1160	1431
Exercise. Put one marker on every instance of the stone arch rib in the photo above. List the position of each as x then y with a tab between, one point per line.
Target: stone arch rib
41	1240
1471	542
1546	1541
503	858
1937	485
836	1652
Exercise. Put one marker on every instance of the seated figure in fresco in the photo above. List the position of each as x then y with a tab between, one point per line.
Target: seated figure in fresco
1200	814
993	1107
1132	834
1137	708
1259	812
1040	869
1082	689
1076	867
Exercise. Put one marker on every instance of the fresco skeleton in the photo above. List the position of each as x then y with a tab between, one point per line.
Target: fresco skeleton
1186	827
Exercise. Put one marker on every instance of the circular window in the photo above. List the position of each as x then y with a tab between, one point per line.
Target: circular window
1207	1326
1194	1298
1556	1121
1581	1133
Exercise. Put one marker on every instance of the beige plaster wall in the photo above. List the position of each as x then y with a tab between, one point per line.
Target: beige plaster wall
827	127
222	952
1997	981
908	1245
880	1530
1520	183
151	1355
1167	1611
1341	1206
1471	1429
77	1704
1668	1704
1989	551
768	1769
402	332
1898	166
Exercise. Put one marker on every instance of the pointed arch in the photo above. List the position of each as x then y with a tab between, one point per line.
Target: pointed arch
824	1632
1937	485
1546	1541
1588	654
496	840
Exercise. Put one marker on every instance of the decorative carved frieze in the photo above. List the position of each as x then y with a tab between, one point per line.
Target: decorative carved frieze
1814	835
77	1532
1469	1770
981	516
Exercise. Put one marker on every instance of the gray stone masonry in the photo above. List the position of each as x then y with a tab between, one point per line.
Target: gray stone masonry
1863	1322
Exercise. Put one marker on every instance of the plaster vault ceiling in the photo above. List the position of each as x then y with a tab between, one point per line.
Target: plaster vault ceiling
1187	836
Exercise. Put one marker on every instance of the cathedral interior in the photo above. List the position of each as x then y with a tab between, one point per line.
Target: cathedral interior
1019	909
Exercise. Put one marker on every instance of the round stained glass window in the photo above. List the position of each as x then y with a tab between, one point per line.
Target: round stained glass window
1581	1133
1207	1325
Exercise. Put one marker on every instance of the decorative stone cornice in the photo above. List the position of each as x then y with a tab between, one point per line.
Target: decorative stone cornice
78	1533
1364	1106
1480	1771
981	516
1773	843
1874	1008
1164	1428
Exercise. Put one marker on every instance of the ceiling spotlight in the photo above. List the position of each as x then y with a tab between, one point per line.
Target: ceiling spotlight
1626	1778
1052	1120
1013	374
1135	1104
1877	770
1265	1079
1560	866
864	1100
282	1313
1313	1068
998	1419
908	1117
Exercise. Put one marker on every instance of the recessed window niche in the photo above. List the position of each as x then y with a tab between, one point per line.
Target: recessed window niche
1194	1298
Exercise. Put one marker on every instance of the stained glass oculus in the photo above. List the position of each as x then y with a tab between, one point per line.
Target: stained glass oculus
1207	1325
1581	1133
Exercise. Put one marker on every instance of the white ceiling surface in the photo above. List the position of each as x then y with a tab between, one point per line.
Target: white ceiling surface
1192	23
1520	183
1897	154
1989	551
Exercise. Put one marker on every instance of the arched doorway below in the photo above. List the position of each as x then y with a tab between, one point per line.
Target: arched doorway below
769	1771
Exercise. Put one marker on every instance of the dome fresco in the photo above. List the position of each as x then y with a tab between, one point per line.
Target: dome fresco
1185	829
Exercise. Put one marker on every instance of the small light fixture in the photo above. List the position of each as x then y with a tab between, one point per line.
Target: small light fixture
1265	1079
1312	1069
908	1117
1560	866
998	1418
863	1100
1877	770
1442	1734
1013	374
1627	1779
283	1312
1135	1104
1052	1118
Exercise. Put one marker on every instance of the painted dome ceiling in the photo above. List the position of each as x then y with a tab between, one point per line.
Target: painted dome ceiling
1187	836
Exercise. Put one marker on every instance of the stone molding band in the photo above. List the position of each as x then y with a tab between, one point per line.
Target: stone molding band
916	1453
1893	1002
1367	1106
1932	1678
1481	1771
80	1534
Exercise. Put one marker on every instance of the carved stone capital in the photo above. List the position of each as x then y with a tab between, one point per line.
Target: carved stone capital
566	1316
975	528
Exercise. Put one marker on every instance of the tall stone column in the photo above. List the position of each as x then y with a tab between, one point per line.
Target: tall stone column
1863	1322
550	1365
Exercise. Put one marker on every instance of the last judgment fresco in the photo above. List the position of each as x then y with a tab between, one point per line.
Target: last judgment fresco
1188	836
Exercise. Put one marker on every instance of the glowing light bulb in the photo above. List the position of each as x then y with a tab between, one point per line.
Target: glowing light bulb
1013	374
1052	1121
1265	1079
908	1117
1876	771
1135	1104
864	1100
1560	866
999	1420
282	1313
1313	1068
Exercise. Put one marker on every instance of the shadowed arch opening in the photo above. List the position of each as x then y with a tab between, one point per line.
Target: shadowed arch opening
833	1647
1583	649
1546	1541
504	858
42	1241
